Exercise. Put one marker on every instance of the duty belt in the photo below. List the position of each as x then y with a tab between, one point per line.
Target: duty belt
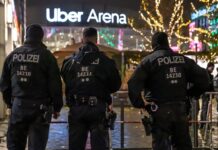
154	105
30	103
86	100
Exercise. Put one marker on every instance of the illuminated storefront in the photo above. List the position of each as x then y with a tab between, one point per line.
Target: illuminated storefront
200	20
63	21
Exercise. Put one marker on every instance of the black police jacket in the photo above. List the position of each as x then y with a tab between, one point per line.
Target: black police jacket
211	86
31	72
90	73
165	75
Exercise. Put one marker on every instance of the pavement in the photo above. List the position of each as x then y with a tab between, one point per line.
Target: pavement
134	134
3	131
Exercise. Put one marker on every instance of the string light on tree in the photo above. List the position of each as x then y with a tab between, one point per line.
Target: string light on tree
157	20
207	35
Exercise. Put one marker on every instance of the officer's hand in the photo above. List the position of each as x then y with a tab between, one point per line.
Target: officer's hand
146	102
110	107
56	115
8	112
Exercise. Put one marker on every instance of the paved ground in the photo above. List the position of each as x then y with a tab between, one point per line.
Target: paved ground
58	133
3	130
134	133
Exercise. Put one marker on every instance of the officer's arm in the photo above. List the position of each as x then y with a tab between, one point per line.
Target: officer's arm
136	85
114	81
211	84
5	83
64	70
198	77
54	83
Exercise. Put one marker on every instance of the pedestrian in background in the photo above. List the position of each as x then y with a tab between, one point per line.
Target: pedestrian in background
206	97
90	77
165	75
31	84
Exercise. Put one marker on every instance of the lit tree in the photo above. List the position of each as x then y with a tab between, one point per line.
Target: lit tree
162	15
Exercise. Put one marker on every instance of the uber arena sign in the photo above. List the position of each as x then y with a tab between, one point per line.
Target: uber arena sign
58	15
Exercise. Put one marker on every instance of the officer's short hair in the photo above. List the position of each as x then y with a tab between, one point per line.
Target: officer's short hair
90	32
161	38
34	32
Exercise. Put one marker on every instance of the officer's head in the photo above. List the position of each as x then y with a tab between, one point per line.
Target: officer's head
160	41
90	35
34	32
210	67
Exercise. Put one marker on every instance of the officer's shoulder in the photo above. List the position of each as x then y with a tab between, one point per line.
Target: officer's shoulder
104	55
151	56
47	51
69	58
16	50
148	58
105	58
187	59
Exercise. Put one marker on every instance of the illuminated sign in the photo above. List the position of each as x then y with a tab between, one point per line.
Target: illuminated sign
203	11
214	21
57	15
214	32
81	13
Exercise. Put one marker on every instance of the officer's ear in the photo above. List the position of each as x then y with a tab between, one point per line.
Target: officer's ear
96	40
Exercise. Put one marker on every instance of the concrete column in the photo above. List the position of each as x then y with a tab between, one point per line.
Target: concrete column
2	53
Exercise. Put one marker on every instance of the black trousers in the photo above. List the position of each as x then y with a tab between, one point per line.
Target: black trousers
84	119
170	127
27	123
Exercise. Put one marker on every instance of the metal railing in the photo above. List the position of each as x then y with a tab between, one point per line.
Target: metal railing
208	130
209	122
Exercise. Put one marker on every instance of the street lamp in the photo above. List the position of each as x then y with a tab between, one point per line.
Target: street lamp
196	41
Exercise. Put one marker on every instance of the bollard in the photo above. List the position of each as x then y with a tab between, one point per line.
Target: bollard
122	124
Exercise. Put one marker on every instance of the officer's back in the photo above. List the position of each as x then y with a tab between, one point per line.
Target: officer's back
31	72
90	73
164	76
31	85
90	77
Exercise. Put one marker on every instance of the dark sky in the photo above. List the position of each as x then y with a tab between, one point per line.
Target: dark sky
132	4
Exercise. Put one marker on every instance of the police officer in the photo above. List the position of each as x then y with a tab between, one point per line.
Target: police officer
30	84
165	75
90	77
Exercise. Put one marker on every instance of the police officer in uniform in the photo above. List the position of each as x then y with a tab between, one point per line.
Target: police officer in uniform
90	77
31	84
165	75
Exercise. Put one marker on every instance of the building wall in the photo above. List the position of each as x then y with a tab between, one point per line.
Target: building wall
2	53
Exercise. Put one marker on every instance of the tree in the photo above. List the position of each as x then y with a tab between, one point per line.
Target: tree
162	15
